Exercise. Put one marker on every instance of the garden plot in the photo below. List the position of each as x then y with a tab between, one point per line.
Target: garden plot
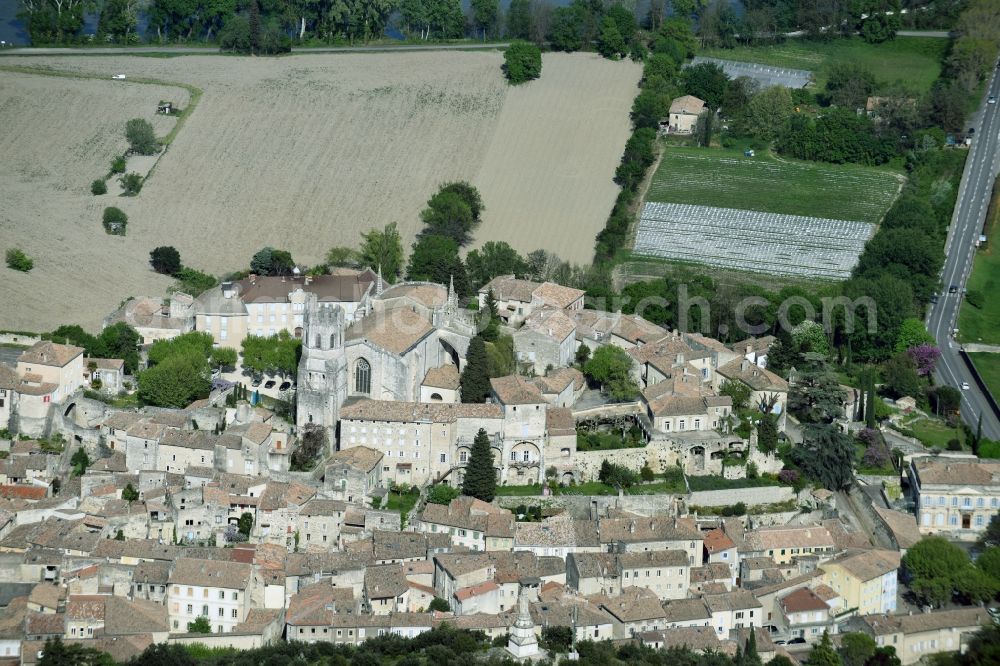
726	179
752	240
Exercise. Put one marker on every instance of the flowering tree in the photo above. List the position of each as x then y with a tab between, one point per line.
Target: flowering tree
233	534
925	357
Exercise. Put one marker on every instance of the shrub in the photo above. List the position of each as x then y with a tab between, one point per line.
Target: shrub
647	473
194	282
118	165
616	475
131	183
98	187
19	261
522	62
976	298
954	445
789	476
141	138
441	494
115	220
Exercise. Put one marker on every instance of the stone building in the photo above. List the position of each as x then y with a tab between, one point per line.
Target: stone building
956	497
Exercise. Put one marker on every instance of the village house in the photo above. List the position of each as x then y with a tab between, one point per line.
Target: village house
865	579
214	589
917	636
546	340
517	299
469	523
155	318
353	474
267	305
683	115
784	544
805	615
955	496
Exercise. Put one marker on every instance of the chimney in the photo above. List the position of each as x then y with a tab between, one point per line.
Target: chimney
744	364
308	280
253	278
631	526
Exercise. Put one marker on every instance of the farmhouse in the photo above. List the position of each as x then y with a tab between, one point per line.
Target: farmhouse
684	114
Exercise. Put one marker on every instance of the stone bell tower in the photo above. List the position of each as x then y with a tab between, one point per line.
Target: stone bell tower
322	380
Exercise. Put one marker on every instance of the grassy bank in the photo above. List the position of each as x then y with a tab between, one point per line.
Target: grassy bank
982	324
988	366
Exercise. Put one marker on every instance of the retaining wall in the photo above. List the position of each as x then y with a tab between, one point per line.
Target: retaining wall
25	339
749	496
582	507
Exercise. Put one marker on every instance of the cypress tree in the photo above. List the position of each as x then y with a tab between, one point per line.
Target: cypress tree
750	656
480	478
491	330
870	401
475	379
255	28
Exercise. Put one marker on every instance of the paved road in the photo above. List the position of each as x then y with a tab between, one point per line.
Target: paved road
967	222
195	50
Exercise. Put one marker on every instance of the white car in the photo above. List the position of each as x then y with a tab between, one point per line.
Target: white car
991	100
965	386
118	77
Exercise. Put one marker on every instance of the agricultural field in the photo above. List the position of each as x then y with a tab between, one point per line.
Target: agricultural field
301	152
913	61
761	214
726	179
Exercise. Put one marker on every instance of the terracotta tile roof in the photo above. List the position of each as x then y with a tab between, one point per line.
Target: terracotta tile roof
316	604
415	412
85	607
359	457
396	330
509	288
207	573
50	354
866	564
151	572
516	390
688	104
803	600
734	600
902	525
445	377
956	472
428	294
697	639
44	624
556	381
774	538
105	363
637	530
135	616
466	593
653	558
557	295
341	288
711	572
716	541
385	581
33	387
8	378
279	495
560	421
549	322
757	378
635	604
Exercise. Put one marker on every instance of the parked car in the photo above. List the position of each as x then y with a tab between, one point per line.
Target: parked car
118	77
797	641
991	100
285	386
256	381
269	384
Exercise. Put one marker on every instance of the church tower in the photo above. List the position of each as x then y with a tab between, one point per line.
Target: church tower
322	380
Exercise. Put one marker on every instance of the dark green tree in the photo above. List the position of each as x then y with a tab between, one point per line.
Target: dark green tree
522	62
165	259
816	396
141	138
80	462
610	367
493	259
199	626
610	42
901	378
441	494
439	604
826	455
57	653
383	249
823	653
485	14
706	81
856	648
520	24
245	523
436	259
480	476
475	377
767	433
129	493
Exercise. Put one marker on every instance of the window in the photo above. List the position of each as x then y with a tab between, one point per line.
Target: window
980	503
235	596
940	501
463	456
204	610
979	521
222	613
513	456
444	457
363	377
235	613
680	424
527	456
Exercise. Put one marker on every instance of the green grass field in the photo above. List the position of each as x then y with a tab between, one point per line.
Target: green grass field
913	61
988	366
983	324
725	178
933	432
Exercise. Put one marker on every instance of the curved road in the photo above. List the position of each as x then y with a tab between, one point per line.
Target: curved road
981	168
200	50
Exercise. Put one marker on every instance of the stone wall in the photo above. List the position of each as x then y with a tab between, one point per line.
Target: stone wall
749	496
584	507
588	463
19	339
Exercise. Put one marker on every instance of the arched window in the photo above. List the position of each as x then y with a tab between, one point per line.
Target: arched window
333	341
363	377
319	341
